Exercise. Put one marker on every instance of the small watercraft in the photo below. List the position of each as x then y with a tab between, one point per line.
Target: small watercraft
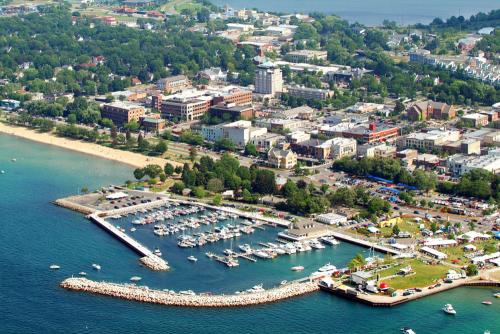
135	278
407	330
487	302
192	258
82	273
96	266
14	159
54	267
133	229
448	309
297	268
496	295
157	252
2	172
283	282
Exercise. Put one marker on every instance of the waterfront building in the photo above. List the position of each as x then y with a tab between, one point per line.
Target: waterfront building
331	218
122	112
185	109
152	123
434	253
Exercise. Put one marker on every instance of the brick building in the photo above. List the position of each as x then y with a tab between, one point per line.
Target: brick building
121	112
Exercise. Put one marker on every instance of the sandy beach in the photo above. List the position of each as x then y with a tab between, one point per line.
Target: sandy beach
129	158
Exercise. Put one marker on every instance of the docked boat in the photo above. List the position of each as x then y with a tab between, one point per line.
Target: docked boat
316	244
487	302
245	248
192	258
96	266
82	273
297	268
262	254
54	267
187	292
329	240
496	295
327	270
135	278
157	252
448	309
283	282
256	289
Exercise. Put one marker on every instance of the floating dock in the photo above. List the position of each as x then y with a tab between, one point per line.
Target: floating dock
149	259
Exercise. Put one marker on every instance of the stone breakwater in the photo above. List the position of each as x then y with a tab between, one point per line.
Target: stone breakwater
146	295
155	263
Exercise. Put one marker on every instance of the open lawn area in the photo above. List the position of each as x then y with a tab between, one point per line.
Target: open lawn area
407	225
425	274
457	253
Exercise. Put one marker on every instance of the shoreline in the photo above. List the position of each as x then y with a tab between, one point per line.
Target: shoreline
125	157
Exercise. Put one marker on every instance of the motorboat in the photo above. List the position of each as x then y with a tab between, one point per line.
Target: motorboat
496	295
327	270
256	288
245	248
135	278
283	282
82	273
14	159
316	244
157	252
486	302
407	330
329	240
262	254
448	309
54	267
96	266
187	292
297	268
2	172
192	258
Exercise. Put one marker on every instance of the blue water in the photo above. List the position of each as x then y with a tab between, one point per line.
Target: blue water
373	12
35	233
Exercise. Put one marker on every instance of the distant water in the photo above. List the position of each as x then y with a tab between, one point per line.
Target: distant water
34	234
373	12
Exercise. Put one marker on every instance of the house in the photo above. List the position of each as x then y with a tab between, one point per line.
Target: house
473	236
280	158
439	242
303	230
476	120
422	111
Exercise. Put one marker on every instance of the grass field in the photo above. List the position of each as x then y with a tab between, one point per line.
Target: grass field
408	225
458	253
425	274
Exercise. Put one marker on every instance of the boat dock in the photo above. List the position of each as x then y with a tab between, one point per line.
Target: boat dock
146	295
365	243
246	257
148	257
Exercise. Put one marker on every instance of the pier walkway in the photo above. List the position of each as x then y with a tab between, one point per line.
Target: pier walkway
149	258
365	243
144	294
248	215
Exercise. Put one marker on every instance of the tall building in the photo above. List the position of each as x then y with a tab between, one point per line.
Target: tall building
268	79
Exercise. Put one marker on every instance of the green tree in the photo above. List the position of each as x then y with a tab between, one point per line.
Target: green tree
168	169
217	200
139	173
161	147
472	270
395	230
250	149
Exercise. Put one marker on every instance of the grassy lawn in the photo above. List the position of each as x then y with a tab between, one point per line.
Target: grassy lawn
408	225
187	5
458	252
425	274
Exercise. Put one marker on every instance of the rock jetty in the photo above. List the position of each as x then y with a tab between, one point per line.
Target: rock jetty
146	295
154	262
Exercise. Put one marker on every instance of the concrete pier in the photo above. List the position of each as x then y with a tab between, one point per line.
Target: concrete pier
149	259
144	294
365	243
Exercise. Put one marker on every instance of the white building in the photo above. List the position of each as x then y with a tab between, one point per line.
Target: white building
343	147
268	79
239	132
431	139
331	219
461	164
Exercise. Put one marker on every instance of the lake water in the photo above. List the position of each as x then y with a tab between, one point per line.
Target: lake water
35	234
373	12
